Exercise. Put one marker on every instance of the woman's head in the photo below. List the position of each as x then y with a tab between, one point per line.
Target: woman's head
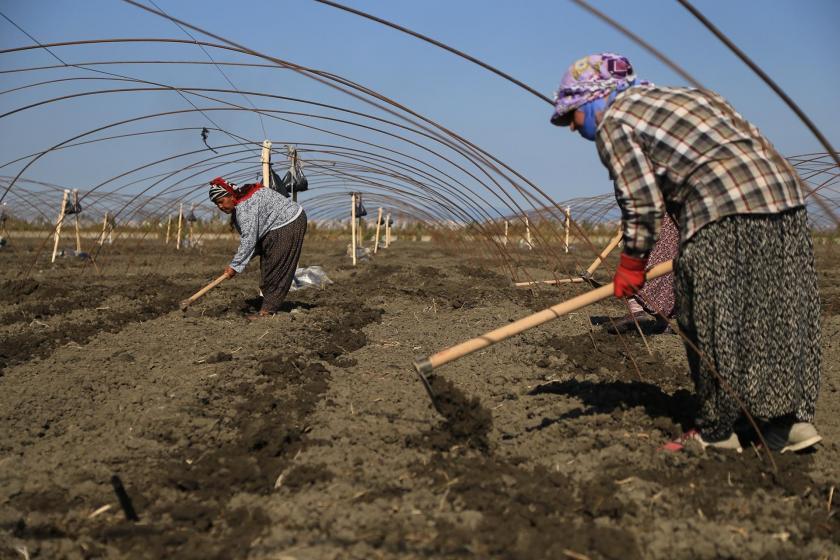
591	79
222	195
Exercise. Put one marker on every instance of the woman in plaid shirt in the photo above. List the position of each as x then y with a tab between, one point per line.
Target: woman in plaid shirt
745	283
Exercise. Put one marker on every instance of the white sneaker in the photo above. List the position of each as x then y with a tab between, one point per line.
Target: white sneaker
731	443
785	437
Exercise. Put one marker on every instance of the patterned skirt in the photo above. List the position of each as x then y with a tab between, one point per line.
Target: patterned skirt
747	298
279	251
657	296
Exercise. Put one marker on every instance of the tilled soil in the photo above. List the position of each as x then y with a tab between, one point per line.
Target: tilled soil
308	435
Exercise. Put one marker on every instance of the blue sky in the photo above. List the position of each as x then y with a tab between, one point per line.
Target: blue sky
795	42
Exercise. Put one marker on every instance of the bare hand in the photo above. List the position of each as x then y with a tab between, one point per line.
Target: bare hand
229	272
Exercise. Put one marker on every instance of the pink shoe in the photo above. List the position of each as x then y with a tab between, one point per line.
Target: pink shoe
730	443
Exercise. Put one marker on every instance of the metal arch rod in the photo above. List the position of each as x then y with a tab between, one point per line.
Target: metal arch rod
209	109
105	139
320	76
436	43
767	80
193	90
459	149
639	41
275	66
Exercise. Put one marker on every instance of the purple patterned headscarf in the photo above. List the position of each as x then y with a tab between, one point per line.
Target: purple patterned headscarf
590	78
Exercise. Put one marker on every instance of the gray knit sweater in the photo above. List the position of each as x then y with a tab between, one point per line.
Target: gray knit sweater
263	211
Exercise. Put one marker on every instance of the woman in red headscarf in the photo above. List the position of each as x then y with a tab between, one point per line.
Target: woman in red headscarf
270	225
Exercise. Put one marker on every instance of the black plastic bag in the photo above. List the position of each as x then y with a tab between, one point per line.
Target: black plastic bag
293	184
300	182
360	209
278	184
70	208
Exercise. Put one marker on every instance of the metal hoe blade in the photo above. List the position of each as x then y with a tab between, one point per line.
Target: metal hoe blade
423	366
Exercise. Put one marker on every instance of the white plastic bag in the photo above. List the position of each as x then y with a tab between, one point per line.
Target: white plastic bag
311	276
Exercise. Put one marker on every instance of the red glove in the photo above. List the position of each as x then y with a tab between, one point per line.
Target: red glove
630	276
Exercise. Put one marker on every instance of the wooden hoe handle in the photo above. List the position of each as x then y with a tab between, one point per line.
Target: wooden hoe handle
426	365
607	250
189	301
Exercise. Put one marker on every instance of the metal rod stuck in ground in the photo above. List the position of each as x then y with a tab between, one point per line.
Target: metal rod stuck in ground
425	366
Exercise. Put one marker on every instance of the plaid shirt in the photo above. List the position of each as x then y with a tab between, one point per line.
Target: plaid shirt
688	152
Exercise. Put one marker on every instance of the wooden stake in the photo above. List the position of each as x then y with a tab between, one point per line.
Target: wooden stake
607	250
189	301
568	224
180	220
168	225
192	225
76	215
426	365
57	233
592	267
294	159
528	232
104	228
353	225
550	282
388	230
506	232
378	224
265	158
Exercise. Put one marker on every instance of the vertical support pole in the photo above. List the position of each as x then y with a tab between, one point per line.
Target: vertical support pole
361	232
76	215
294	160
388	230
180	221
104	229
378	224
568	223
57	233
528	232
265	158
168	226
353	225
506	232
